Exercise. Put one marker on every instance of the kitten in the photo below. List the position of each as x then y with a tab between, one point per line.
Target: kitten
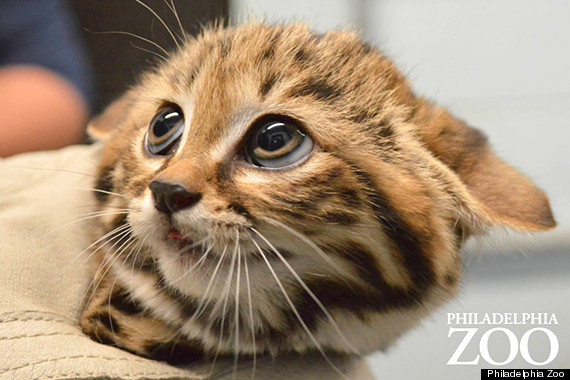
286	191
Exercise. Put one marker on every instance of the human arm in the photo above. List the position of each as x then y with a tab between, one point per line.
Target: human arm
45	81
39	110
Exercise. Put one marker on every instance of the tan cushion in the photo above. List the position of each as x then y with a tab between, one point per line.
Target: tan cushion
44	199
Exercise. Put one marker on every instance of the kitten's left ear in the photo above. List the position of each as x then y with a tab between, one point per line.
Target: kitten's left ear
101	126
497	192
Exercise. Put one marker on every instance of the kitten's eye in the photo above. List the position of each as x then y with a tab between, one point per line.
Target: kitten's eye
277	144
164	131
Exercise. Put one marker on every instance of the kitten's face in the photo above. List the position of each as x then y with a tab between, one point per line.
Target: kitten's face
297	175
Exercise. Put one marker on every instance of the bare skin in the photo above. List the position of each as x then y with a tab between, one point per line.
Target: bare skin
40	110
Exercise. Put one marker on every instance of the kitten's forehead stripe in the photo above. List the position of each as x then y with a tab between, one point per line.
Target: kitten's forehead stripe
267	85
320	88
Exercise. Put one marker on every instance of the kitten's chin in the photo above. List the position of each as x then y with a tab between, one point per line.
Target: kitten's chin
187	269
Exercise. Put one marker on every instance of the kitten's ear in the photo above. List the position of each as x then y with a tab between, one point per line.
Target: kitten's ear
101	126
501	194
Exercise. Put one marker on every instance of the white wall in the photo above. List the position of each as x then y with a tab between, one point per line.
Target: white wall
321	14
477	48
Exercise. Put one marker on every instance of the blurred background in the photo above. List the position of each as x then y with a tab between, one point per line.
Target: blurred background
500	65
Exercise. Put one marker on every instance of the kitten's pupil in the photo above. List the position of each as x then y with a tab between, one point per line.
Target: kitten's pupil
169	121
273	137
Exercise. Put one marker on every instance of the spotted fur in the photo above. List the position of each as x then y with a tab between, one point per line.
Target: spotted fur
372	221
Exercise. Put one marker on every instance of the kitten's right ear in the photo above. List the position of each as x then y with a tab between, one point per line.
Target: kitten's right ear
498	193
102	125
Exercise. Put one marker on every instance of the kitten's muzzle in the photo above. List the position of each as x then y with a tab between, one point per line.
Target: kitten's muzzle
171	197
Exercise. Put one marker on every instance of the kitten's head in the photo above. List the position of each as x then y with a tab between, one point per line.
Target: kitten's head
299	171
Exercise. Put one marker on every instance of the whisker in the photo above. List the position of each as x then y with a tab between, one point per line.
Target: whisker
74	172
311	244
113	286
141	245
236	311
100	206
86	159
103	213
121	228
117	255
226	289
194	244
59	170
79	173
210	247
118	240
132	35
175	12
120	233
307	289
200	261
99	191
108	261
296	312
148	51
161	21
136	248
224	308
206	297
250	317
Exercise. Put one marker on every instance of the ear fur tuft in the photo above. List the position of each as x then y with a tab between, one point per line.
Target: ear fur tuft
102	125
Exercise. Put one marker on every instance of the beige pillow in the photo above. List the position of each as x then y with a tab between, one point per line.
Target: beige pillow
44	201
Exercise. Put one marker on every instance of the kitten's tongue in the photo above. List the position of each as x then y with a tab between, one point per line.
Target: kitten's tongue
174	234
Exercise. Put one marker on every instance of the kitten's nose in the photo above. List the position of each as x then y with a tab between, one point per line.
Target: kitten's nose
171	197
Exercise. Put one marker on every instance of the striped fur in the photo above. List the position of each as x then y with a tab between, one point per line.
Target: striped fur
364	236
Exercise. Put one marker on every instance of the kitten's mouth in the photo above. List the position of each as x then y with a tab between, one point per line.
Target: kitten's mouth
182	242
174	234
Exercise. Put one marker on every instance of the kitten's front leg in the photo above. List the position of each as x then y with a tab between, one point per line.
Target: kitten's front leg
114	318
